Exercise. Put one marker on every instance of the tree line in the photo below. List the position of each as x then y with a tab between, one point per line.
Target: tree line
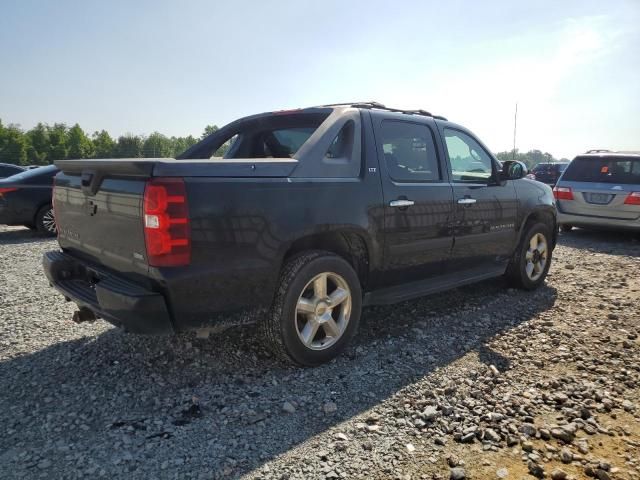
530	158
45	143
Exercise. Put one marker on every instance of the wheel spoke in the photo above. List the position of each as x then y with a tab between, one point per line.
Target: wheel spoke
537	267
309	331
534	242
529	255
542	247
320	286
315	310
305	306
331	328
338	296
529	268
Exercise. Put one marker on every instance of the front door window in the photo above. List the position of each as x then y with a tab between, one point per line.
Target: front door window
470	163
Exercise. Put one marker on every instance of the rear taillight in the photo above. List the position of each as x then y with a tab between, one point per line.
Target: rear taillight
632	199
7	190
562	193
167	231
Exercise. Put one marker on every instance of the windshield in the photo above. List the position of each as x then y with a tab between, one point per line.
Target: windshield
622	170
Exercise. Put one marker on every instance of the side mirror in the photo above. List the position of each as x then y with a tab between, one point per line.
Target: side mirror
513	170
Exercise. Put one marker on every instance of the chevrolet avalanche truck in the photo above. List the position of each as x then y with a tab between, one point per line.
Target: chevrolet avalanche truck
295	220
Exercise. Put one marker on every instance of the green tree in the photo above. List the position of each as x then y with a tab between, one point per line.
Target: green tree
180	144
79	144
158	146
530	159
13	145
58	142
103	145
3	138
38	149
208	130
129	146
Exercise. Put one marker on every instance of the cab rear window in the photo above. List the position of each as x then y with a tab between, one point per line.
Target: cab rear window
276	135
604	170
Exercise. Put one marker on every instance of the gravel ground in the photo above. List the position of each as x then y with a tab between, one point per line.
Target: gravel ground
480	382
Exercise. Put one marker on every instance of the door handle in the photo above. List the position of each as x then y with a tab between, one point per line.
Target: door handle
466	201
401	203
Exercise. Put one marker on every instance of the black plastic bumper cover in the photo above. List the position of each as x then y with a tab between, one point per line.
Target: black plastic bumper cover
115	299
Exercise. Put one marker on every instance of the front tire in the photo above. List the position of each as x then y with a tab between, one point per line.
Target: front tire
45	221
532	259
316	310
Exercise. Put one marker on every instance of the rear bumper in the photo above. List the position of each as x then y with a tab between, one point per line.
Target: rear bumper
119	301
589	221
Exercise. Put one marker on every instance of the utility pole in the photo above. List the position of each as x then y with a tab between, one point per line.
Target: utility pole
515	125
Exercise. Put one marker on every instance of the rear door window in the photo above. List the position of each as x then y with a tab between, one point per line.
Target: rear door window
604	170
409	151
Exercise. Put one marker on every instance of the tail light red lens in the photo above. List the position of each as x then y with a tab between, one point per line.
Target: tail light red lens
167	231
7	190
562	193
632	199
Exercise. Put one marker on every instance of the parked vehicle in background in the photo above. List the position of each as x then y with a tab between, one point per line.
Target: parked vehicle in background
310	215
8	169
548	173
600	189
25	199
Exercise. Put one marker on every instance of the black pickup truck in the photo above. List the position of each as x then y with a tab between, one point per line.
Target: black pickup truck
308	216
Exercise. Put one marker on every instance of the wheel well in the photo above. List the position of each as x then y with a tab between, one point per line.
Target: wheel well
40	207
349	246
542	217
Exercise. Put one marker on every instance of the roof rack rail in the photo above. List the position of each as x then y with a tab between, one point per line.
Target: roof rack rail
599	150
380	106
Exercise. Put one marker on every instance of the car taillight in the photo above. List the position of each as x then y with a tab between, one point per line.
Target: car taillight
632	199
7	190
167	230
562	193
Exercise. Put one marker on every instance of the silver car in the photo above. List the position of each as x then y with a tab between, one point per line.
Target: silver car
600	189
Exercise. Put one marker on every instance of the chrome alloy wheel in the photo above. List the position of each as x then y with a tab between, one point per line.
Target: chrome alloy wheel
536	256
49	221
323	311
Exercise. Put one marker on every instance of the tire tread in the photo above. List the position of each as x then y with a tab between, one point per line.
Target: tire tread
271	326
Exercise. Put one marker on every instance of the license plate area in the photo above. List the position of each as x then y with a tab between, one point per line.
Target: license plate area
598	198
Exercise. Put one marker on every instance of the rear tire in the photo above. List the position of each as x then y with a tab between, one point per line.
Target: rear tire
316	310
531	261
566	227
45	221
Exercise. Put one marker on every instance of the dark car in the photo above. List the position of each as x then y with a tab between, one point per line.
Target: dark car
310	215
25	199
8	169
548	173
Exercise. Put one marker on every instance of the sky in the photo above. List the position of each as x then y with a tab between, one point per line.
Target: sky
573	67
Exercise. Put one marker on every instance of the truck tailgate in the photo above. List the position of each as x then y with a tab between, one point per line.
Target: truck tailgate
104	227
